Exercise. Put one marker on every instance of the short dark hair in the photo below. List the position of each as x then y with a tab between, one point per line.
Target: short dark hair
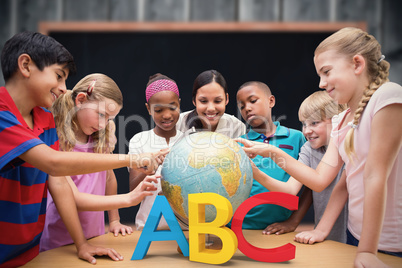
43	50
258	84
158	76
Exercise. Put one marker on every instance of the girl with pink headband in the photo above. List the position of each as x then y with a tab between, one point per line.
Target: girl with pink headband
163	105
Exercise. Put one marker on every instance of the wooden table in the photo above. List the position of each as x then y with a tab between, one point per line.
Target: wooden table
164	254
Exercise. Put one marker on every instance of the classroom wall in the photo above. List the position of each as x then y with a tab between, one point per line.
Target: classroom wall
381	17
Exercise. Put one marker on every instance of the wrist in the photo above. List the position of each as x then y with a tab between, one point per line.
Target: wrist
78	244
133	161
114	221
324	231
294	221
125	200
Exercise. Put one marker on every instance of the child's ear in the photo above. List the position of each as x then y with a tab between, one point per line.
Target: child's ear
24	64
359	63
272	101
227	99
148	108
80	99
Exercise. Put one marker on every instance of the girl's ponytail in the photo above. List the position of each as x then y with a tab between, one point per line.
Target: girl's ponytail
350	42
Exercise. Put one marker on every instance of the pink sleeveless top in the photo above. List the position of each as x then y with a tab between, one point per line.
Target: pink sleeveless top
55	233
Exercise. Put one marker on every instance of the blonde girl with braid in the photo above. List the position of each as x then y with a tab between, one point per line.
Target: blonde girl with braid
367	138
84	122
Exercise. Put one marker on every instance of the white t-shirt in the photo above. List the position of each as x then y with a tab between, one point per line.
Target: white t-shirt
148	141
228	125
391	234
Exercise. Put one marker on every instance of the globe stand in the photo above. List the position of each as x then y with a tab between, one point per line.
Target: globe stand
212	242
208	241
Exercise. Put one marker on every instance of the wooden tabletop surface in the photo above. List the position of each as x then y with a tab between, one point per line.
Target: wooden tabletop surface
165	253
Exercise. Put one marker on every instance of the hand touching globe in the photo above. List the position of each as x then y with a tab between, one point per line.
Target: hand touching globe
205	162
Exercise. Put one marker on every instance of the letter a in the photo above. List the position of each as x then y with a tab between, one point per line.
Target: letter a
150	232
198	228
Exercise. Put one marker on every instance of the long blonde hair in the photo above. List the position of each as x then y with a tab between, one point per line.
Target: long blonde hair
65	113
350	42
319	106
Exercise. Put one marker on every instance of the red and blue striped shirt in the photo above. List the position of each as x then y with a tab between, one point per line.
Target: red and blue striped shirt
23	188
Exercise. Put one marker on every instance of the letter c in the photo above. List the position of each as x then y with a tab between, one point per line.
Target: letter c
279	254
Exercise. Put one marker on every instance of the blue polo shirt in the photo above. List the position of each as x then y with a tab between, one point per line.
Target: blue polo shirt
290	141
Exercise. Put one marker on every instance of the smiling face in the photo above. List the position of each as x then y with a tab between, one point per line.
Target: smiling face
210	102
317	132
337	75
47	85
255	106
93	115
164	107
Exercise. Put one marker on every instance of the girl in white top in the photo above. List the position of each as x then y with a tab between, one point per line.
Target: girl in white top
210	97
163	105
367	138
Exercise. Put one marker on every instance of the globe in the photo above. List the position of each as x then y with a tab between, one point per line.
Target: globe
204	162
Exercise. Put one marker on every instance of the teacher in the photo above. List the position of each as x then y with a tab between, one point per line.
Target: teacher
210	97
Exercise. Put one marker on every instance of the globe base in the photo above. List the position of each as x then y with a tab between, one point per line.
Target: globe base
211	242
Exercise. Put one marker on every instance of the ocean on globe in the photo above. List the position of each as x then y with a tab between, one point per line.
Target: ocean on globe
205	162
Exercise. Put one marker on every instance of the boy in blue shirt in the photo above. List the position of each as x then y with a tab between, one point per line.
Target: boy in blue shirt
255	102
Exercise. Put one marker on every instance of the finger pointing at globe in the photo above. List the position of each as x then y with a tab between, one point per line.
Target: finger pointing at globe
205	162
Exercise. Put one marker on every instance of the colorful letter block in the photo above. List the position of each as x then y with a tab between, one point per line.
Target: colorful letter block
198	228
150	232
279	254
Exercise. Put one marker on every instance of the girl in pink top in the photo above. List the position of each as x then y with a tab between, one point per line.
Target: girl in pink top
367	138
84	121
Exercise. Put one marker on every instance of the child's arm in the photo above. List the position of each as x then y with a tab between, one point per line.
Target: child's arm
297	216
381	158
135	178
334	207
317	180
115	226
64	200
58	163
90	202
292	186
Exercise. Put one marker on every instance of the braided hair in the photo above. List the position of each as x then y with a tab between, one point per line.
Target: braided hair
350	42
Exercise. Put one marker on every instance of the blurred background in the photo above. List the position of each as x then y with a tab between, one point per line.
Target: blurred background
280	58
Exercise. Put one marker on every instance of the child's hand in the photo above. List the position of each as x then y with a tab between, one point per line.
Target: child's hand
253	148
116	227
367	259
254	168
310	237
145	188
148	162
280	228
86	252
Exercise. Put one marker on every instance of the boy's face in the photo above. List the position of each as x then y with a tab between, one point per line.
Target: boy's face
255	106
317	132
47	85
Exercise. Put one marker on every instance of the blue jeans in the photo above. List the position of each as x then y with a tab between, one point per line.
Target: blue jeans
351	240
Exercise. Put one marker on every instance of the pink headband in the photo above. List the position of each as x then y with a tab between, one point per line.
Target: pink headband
161	85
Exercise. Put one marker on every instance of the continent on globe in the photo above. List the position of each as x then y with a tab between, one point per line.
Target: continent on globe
205	162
